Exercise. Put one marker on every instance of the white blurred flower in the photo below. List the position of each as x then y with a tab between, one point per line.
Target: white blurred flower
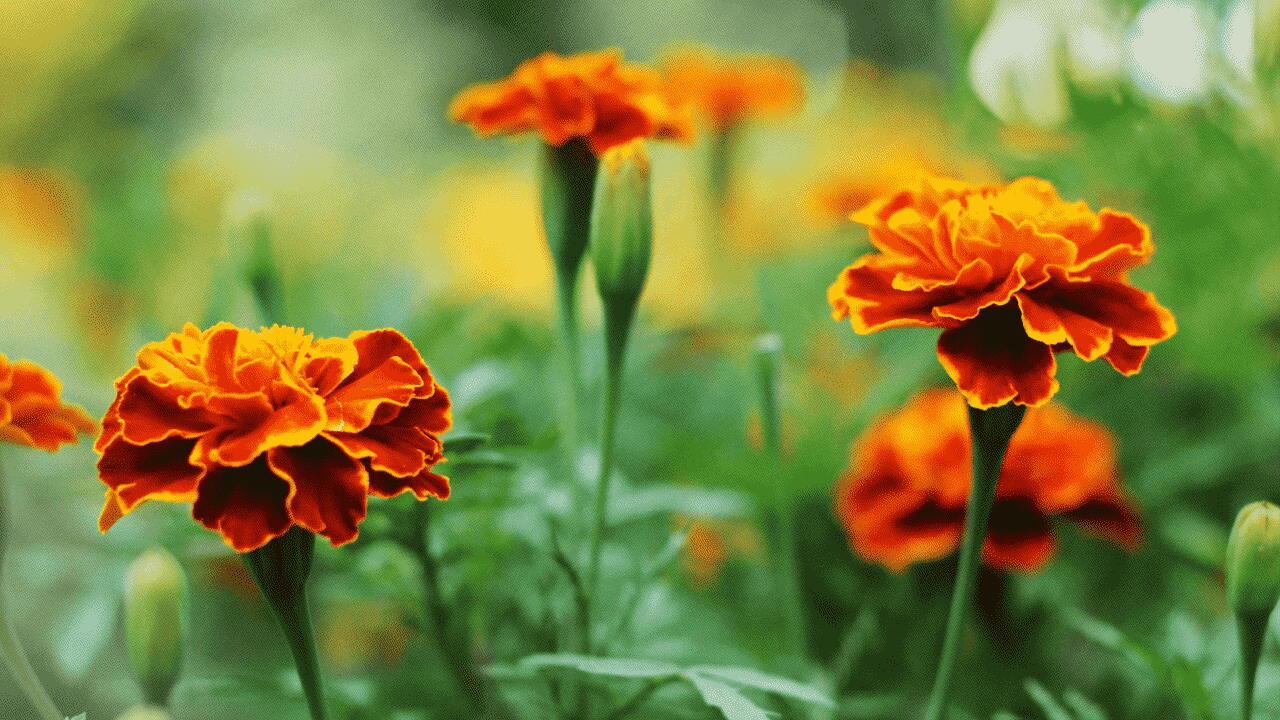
1028	50
1236	38
1169	51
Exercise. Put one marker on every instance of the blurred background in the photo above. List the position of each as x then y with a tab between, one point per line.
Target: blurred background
141	141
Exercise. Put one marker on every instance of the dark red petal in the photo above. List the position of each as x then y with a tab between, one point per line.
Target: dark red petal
992	361
156	471
245	504
1110	518
423	485
330	488
1018	537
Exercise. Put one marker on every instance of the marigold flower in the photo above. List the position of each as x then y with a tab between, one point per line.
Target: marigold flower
728	90
31	409
264	430
903	499
1012	274
594	95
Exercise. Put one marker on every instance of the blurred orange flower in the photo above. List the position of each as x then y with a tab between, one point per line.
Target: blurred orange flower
710	543
1012	274
40	208
31	409
728	90
265	430
903	499
594	95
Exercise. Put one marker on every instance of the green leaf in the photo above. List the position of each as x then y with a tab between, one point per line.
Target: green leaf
1051	708
85	631
1084	708
733	704
768	683
484	459
461	442
613	667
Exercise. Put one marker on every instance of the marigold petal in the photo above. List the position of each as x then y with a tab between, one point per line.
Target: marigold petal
1018	537
1120	244
290	425
1089	338
1125	358
331	488
423	485
245	504
146	412
992	361
1111	518
156	471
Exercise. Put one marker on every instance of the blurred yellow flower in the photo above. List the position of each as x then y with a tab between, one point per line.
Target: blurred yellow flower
40	214
480	237
357	633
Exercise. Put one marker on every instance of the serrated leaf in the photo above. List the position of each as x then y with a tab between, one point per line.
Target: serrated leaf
1051	708
725	698
613	667
763	681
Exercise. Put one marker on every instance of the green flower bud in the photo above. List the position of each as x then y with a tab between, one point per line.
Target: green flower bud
568	177
1253	560
154	598
145	712
622	225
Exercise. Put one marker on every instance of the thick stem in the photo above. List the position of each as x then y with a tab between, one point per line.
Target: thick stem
990	433
15	658
1252	631
568	186
281	568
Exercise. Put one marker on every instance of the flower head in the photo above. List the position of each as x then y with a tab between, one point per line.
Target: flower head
1012	274
264	430
31	409
903	499
728	90
594	95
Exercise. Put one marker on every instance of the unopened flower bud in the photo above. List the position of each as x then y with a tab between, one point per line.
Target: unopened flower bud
622	224
1253	559
154	596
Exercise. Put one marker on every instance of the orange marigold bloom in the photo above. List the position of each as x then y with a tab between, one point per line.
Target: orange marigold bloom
594	95
903	499
264	430
1012	274
31	409
728	90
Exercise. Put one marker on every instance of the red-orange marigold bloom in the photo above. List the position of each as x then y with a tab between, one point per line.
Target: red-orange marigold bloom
903	499
593	95
264	430
1012	274
31	409
728	90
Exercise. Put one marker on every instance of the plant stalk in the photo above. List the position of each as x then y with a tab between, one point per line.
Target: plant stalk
281	568
1252	632
990	433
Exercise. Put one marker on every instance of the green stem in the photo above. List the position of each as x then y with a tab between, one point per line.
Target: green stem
567	323
1252	631
452	649
990	433
635	701
768	349
15	658
281	568
617	331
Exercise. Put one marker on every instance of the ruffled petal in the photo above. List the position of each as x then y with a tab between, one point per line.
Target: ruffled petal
992	361
1018	536
290	425
245	504
156	471
330	495
423	485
